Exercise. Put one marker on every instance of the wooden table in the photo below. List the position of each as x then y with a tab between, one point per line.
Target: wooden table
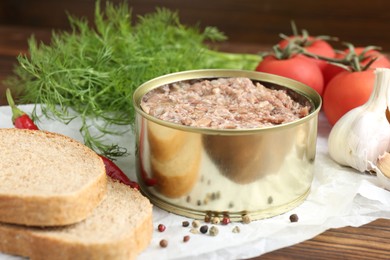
371	241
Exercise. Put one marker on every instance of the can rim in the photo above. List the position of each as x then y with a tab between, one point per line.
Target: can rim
303	90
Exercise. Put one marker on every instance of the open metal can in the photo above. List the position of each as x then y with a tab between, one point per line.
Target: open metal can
199	172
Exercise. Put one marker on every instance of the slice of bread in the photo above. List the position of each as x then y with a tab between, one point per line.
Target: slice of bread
47	179
119	228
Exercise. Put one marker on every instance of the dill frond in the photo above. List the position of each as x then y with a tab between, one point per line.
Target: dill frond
94	70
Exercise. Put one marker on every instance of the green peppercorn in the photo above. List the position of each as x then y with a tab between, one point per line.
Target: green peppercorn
196	223
246	219
236	229
215	220
194	231
213	231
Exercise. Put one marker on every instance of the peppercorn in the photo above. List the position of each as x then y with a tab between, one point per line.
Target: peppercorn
236	229
186	238
196	223
185	223
246	219
215	220
194	231
207	218
270	200
225	220
164	243
161	227
213	231
204	229
294	218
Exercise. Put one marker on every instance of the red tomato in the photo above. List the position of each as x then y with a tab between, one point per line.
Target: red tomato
346	91
332	70
315	46
297	68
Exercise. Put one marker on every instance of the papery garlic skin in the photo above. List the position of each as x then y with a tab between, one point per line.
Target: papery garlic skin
363	134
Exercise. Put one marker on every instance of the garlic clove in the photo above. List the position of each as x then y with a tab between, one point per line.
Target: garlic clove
383	170
384	164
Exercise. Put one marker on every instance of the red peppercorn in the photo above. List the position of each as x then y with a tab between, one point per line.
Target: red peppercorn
161	227
225	220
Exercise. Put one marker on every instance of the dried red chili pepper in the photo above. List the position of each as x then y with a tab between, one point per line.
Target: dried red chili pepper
19	118
115	172
22	121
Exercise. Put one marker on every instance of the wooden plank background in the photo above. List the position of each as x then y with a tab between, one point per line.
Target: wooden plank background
250	21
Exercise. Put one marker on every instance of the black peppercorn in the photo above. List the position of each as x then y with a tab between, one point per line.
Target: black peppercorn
164	243
204	229
294	218
185	223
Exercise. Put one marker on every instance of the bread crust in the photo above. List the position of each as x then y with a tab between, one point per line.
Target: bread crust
54	208
132	235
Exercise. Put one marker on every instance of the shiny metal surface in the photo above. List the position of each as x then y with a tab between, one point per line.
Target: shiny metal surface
194	171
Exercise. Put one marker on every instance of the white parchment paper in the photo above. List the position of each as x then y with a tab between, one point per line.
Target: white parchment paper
339	197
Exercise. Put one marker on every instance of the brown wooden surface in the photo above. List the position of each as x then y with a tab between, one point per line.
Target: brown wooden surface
252	21
250	25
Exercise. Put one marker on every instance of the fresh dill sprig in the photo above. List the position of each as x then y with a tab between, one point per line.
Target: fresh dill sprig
94	70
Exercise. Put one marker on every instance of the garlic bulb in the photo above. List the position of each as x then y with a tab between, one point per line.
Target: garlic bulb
362	135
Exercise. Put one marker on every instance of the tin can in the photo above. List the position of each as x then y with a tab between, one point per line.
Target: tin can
196	172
